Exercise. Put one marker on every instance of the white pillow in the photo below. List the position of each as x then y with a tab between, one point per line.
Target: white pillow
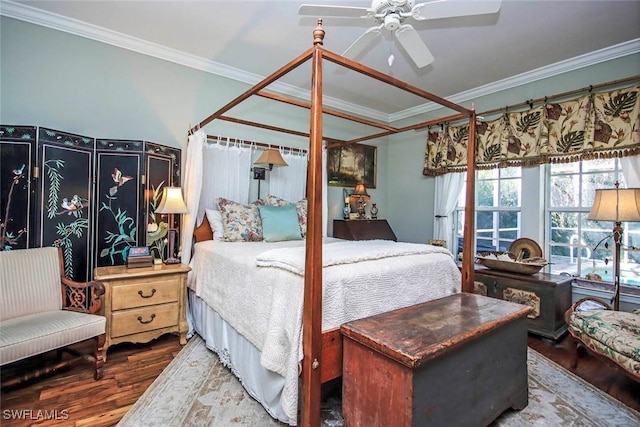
215	221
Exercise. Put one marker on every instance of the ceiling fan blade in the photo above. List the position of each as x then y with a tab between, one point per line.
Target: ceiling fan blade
413	44
362	42
340	11
438	9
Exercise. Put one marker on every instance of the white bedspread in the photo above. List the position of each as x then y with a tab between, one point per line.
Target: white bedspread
345	252
264	304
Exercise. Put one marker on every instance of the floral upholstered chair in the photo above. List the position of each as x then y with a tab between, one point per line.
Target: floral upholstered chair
613	336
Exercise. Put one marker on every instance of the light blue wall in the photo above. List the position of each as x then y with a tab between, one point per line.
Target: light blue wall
53	79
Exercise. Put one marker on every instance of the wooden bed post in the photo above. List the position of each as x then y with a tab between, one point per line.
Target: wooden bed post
312	310
469	209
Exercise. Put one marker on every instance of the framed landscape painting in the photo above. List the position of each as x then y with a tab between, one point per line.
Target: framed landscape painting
349	164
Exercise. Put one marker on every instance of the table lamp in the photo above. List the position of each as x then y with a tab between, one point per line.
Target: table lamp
270	157
172	203
360	193
617	205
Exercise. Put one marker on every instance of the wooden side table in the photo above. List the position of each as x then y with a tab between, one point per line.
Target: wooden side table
141	304
548	294
363	229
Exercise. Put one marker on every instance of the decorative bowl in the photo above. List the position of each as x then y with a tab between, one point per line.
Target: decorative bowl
491	260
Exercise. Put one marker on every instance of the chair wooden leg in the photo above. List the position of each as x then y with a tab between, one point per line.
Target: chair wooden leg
99	356
573	351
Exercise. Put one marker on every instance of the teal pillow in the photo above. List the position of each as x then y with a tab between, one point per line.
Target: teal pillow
280	223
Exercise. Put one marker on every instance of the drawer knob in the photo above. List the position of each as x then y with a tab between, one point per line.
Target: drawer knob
153	291
144	322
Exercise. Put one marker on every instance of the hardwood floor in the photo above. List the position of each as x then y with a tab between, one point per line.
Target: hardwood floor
606	378
72	398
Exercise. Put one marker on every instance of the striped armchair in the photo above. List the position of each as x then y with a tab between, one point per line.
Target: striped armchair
40	310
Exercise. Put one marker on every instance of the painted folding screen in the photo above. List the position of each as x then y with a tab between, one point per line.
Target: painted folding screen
65	198
93	198
17	160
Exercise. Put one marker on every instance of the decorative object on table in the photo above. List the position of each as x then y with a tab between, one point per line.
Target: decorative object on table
172	203
617	205
139	256
374	211
350	164
361	196
524	248
270	157
507	262
437	242
346	210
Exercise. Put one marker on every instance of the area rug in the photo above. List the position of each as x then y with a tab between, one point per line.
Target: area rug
195	389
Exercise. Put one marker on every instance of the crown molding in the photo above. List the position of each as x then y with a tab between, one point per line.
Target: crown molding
54	21
630	47
65	24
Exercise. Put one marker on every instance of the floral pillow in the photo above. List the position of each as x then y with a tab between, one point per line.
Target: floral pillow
301	208
241	223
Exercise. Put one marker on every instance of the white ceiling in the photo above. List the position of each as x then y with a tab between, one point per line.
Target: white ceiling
251	39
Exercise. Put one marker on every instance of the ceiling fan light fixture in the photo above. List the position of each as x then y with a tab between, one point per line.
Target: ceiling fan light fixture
392	14
392	22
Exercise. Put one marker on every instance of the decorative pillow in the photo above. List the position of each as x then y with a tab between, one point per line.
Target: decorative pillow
241	223
301	208
215	221
280	223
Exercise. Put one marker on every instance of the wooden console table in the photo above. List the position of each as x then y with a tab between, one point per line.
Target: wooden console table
548	294
363	229
458	360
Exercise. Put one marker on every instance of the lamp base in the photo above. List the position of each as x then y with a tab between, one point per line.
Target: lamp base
172	260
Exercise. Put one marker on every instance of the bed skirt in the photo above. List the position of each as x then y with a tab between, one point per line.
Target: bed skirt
240	356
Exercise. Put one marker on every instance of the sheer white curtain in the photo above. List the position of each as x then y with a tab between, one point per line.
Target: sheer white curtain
289	182
191	188
226	173
631	171
448	187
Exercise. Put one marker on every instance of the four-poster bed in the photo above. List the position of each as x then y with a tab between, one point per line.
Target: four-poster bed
322	359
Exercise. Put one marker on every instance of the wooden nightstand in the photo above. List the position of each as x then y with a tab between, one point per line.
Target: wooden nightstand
141	304
363	229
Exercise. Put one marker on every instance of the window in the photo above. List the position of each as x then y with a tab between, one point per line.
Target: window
498	204
578	246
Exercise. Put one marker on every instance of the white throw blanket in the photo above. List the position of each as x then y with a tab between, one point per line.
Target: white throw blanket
293	258
264	304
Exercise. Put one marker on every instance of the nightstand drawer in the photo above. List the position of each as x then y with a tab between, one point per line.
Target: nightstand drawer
144	294
128	322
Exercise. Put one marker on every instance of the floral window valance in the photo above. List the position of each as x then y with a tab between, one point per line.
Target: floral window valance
596	125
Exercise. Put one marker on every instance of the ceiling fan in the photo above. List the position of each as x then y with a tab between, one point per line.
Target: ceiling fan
391	14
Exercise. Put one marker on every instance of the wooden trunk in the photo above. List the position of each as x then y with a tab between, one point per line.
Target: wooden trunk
458	360
549	296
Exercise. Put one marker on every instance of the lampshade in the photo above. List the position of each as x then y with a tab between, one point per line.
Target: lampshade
271	157
616	204
360	190
172	201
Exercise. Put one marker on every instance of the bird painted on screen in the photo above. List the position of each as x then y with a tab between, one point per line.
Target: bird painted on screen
73	206
119	178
